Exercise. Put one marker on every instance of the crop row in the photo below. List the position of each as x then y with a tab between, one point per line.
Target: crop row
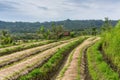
8	50
8	59
65	67
21	42
23	67
71	69
52	65
82	71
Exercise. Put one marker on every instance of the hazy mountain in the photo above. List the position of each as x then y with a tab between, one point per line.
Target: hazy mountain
30	27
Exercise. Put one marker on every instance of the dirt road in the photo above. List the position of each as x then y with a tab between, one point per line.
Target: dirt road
71	72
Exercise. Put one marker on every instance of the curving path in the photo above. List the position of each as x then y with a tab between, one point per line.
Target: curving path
72	70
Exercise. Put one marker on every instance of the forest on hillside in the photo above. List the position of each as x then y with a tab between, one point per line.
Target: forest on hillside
31	27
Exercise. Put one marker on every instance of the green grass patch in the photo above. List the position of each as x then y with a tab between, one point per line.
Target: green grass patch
111	45
98	68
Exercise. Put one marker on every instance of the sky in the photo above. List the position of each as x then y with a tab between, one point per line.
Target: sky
56	10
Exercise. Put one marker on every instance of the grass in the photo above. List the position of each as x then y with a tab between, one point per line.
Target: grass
47	70
69	59
111	45
79	64
98	68
20	43
21	47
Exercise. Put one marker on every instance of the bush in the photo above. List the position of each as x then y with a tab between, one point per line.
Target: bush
98	68
111	45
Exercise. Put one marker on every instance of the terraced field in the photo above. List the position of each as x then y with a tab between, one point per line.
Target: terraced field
70	69
75	59
7	59
19	63
88	62
11	49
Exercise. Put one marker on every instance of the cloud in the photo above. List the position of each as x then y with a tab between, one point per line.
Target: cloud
47	10
7	6
44	8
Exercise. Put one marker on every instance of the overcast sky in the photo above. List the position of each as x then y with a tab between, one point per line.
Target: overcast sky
55	10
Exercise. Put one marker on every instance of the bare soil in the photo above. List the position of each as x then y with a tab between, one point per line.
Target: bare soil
71	72
14	71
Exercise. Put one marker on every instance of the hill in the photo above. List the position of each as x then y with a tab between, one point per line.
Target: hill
31	27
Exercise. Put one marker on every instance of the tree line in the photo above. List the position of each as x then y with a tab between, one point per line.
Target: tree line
31	27
57	31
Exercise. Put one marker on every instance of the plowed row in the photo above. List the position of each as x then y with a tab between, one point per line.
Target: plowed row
59	61
88	62
30	59
72	66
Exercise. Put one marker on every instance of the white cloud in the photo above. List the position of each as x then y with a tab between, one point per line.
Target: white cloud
47	10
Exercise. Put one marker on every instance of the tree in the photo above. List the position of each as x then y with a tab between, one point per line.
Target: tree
53	29
72	34
94	31
6	38
57	30
41	31
47	34
107	25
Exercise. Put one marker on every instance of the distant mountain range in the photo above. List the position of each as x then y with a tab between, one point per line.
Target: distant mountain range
31	27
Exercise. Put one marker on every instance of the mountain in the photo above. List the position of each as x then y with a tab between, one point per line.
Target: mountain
31	27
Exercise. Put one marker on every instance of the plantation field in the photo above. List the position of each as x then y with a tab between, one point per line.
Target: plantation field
81	58
59	40
18	63
11	49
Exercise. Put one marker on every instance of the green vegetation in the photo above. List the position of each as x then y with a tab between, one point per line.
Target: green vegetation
22	47
27	27
28	53
102	57
56	32
52	65
69	59
107	25
79	64
111	45
27	30
98	68
5	38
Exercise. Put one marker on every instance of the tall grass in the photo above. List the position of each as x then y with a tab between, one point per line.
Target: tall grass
111	45
98	68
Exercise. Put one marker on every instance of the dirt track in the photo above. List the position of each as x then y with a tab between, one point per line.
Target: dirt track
71	72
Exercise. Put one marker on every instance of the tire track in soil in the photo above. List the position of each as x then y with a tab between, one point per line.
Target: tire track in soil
57	76
84	66
84	74
71	72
